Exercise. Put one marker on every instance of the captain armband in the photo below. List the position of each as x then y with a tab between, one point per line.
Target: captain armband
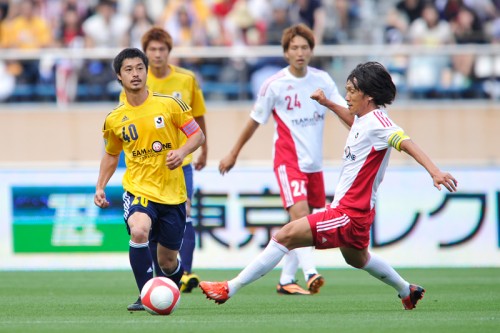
396	138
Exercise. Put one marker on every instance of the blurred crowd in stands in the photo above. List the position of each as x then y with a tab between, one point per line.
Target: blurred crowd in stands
77	24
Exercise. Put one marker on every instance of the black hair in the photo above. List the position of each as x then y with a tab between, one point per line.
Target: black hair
374	80
129	53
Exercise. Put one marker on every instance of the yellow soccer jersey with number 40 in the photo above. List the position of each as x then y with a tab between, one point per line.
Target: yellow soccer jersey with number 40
146	133
182	84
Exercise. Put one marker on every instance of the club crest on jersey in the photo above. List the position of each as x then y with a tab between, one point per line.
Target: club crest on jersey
159	122
177	95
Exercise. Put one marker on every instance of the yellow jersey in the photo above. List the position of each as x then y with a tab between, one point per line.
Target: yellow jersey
146	133
182	84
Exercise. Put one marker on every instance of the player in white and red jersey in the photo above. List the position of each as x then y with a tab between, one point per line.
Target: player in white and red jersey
298	143
346	222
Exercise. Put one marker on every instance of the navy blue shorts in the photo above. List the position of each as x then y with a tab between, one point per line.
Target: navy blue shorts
188	178
168	221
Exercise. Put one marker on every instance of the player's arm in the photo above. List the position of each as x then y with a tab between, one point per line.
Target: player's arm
342	112
228	162
201	161
438	177
194	141
107	169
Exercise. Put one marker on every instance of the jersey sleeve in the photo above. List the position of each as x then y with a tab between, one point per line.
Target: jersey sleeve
183	118
264	105
112	144
384	131
198	101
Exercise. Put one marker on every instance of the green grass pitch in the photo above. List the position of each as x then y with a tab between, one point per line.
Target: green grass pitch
456	300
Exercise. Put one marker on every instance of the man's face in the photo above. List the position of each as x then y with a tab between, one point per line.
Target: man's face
357	101
298	54
133	74
157	53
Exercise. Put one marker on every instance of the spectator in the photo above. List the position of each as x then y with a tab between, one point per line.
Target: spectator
197	8
261	9
484	9
279	22
185	20
412	9
4	8
69	35
26	31
141	22
242	27
104	29
467	29
426	72
487	67
266	67
70	31
218	35
187	26
311	13
396	27
395	31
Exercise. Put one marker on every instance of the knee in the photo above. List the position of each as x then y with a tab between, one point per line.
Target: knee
139	235
355	258
285	237
168	265
355	262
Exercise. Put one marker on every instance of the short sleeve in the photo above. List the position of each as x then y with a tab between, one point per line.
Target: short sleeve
112	144
264	105
182	117
198	101
383	128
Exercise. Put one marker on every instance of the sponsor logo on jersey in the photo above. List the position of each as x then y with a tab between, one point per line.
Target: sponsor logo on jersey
156	147
177	94
290	87
311	121
125	118
356	136
159	122
348	154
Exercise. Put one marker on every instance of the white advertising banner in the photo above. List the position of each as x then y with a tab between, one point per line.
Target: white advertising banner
48	220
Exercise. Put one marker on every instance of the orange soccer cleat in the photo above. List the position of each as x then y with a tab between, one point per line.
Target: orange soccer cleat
314	282
216	291
416	294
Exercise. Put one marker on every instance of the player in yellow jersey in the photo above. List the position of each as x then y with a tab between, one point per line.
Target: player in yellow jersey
145	126
181	83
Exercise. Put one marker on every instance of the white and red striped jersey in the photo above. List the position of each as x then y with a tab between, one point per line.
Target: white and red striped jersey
299	120
366	155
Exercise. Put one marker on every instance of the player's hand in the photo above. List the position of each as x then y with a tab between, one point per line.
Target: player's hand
445	179
226	164
318	96
174	159
100	199
201	161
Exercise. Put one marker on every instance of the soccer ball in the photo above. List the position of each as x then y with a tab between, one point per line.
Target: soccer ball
160	296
